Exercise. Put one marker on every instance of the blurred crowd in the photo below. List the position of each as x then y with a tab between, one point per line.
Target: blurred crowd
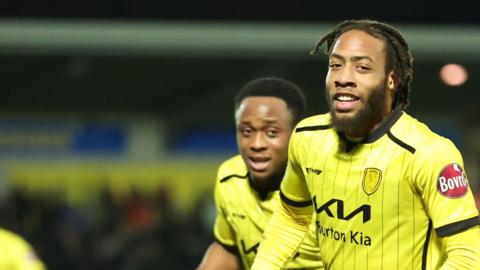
136	232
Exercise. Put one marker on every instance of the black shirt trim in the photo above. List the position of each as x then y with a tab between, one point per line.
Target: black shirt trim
294	203
349	145
396	140
312	128
382	129
457	227
384	126
425	245
231	176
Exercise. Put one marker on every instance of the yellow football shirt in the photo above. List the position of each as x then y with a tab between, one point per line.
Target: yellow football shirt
242	216
16	253
384	202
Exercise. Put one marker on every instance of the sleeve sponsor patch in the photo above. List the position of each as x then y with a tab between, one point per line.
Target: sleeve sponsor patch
452	181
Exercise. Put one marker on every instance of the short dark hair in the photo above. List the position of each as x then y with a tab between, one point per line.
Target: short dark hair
275	87
398	56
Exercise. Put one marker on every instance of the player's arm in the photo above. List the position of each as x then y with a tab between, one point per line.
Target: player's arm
218	257
22	255
282	237
290	222
29	261
463	250
444	188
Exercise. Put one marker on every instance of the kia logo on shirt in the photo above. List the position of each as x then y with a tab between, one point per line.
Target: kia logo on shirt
452	182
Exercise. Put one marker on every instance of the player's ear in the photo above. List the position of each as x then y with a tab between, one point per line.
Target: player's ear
392	81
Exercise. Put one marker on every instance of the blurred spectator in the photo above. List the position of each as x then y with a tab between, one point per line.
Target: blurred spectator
139	232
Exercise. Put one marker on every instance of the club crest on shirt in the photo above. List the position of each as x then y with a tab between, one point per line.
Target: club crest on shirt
452	181
371	180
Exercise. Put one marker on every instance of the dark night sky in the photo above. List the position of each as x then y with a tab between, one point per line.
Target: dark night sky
401	11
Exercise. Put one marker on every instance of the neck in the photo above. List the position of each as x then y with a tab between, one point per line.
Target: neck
265	186
367	128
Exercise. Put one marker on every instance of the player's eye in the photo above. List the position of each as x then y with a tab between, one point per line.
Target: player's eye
272	133
363	68
246	131
334	66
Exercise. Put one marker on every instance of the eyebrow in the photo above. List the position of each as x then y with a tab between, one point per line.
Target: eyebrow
269	121
353	58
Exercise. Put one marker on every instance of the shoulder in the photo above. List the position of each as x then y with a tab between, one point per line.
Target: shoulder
314	123
310	133
232	168
11	238
13	241
419	139
232	180
20	252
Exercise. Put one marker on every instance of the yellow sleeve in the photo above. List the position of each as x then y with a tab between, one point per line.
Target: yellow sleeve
290	222
221	229
19	254
28	260
463	250
284	234
293	185
441	180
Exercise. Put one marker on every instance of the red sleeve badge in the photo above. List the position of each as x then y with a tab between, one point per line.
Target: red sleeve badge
452	181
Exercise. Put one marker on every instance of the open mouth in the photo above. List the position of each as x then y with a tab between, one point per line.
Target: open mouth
259	164
345	101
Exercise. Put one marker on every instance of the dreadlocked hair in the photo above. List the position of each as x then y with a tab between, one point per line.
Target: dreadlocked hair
398	56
